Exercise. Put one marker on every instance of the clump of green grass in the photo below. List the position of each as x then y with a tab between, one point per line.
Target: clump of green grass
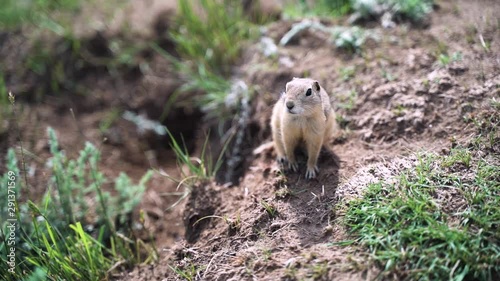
212	38
200	168
323	8
216	89
187	272
458	156
209	41
194	170
108	121
399	110
15	13
347	100
233	224
269	208
50	248
319	271
413	232
60	225
347	72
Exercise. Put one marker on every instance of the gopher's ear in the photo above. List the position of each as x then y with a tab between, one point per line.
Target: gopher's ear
316	86
286	87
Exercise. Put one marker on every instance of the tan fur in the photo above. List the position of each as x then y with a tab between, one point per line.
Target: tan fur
298	118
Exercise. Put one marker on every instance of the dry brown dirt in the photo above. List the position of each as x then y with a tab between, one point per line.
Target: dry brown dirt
405	102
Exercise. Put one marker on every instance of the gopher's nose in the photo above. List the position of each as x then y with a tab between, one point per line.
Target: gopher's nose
290	104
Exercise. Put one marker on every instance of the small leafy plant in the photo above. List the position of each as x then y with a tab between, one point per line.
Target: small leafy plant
75	180
350	39
444	59
415	10
412	10
60	225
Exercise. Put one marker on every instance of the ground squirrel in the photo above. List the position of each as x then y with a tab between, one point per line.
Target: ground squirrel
303	114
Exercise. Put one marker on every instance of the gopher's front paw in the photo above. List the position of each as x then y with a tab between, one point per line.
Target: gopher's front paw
282	161
311	172
294	166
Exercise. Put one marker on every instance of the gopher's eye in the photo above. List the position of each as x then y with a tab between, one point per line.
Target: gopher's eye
309	92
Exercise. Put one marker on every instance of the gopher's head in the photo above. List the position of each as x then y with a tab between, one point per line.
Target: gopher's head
302	96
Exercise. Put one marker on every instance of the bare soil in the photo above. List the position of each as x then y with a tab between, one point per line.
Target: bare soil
405	102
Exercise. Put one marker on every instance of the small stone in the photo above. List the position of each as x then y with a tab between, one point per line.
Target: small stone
268	47
286	62
328	229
